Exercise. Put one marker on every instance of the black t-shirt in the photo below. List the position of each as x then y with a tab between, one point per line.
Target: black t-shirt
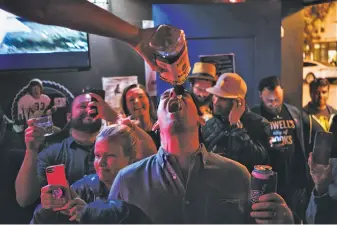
282	129
285	151
155	137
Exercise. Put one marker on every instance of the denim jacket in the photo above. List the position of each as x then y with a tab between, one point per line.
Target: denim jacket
215	190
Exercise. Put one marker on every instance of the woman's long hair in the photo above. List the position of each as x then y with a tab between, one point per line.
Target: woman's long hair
152	110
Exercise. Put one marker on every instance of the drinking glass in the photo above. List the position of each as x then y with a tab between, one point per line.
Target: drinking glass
46	123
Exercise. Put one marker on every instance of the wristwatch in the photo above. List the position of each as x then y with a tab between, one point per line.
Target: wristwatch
236	125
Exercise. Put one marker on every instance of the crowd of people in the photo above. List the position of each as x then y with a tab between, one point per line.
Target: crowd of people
187	160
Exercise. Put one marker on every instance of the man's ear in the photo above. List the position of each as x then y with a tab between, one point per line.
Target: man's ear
68	117
201	121
260	94
155	126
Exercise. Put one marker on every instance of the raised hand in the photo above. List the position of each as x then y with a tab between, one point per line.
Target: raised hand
34	136
320	174
239	107
104	111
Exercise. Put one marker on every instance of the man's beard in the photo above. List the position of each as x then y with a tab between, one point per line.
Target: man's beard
77	124
272	111
204	101
219	111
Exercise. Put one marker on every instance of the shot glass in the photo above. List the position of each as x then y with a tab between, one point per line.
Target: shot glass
46	123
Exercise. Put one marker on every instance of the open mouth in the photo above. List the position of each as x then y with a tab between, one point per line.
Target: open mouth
88	118
174	106
105	170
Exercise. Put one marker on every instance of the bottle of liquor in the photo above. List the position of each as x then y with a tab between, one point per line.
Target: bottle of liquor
171	54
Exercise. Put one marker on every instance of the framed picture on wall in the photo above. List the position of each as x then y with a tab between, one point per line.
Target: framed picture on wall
114	86
225	63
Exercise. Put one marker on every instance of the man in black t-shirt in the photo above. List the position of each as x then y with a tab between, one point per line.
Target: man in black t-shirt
286	154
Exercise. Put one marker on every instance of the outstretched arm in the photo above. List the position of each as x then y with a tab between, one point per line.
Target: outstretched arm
75	14
87	17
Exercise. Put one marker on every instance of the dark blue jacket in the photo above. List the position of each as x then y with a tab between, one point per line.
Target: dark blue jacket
93	192
322	209
215	190
89	188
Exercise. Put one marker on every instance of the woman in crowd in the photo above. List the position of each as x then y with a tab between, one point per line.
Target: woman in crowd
137	105
116	147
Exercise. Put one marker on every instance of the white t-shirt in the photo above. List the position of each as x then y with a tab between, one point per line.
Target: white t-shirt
29	107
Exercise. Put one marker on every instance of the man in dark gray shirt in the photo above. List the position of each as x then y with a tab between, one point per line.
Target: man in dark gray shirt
75	152
183	183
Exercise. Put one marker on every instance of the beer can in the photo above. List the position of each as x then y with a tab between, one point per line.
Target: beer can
263	181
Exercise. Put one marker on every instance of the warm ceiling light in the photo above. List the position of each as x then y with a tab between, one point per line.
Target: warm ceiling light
236	1
228	1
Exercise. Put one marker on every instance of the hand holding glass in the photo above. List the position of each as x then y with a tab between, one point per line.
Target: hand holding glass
46	123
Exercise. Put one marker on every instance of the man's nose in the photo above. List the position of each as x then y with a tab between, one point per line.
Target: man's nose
173	94
215	99
102	161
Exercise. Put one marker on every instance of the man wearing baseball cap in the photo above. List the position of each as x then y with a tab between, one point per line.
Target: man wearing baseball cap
234	131
203	76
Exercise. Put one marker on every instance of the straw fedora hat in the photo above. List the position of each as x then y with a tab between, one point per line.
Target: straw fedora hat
204	71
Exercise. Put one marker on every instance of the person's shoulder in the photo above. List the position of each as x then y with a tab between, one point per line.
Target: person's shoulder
55	147
253	117
25	98
256	109
45	97
227	165
332	109
291	107
306	109
88	180
138	167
